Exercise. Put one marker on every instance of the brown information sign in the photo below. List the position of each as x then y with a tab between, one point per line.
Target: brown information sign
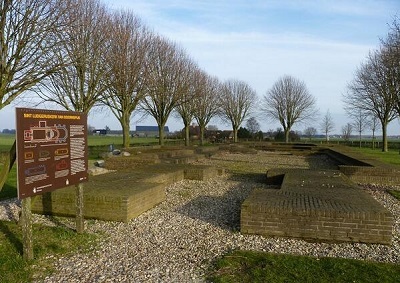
51	150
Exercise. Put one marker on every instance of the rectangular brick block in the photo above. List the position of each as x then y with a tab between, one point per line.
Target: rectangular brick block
345	213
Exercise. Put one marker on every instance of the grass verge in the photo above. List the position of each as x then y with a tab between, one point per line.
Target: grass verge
246	266
394	193
10	187
390	157
47	241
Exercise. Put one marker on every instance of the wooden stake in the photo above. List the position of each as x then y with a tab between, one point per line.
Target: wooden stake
26	223
80	226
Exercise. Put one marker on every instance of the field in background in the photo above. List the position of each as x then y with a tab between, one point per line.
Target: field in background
393	143
6	141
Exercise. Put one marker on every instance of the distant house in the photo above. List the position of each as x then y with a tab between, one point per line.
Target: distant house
150	131
100	132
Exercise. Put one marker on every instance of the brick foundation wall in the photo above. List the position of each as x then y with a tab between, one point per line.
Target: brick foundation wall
101	203
371	175
120	196
361	169
323	225
202	172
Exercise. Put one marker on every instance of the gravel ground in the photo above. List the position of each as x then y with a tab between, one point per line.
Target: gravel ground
199	221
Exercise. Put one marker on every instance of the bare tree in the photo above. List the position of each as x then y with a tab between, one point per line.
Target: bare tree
360	122
327	125
186	108
310	132
164	88
373	123
373	91
346	131
126	59
253	126
206	101
289	102
391	53
79	84
27	37
237	100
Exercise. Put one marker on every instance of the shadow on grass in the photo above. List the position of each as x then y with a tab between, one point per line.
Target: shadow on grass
11	236
8	192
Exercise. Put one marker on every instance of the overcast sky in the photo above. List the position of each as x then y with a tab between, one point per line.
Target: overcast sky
319	42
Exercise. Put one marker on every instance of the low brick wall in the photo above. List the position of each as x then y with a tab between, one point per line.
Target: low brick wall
130	162
364	170
345	158
322	205
290	147
112	196
372	175
202	172
121	205
123	195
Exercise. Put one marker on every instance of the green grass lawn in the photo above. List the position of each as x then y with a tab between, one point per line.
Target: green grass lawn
6	141
46	241
394	193
390	157
246	266
10	187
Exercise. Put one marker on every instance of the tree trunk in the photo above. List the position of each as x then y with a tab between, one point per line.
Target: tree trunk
384	137
161	134
373	139
287	132
187	136
360	140
26	225
202	128
235	134
126	138
79	220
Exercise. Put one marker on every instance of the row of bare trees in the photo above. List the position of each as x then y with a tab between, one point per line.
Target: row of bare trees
78	54
375	89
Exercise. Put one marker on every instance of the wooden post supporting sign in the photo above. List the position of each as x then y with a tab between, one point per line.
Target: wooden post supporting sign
26	224
80	225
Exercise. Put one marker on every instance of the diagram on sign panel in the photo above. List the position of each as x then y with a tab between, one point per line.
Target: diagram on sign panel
29	155
46	134
44	154
61	151
62	165
37	170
